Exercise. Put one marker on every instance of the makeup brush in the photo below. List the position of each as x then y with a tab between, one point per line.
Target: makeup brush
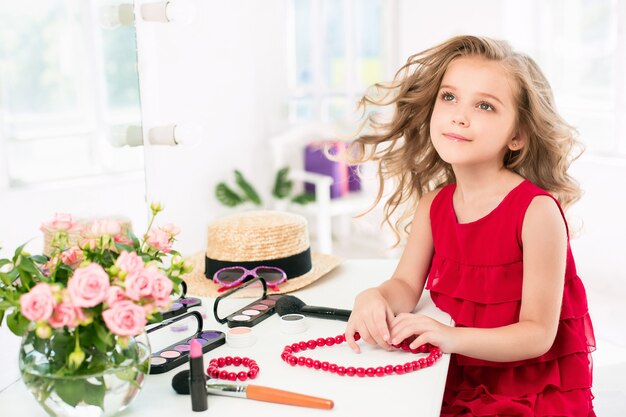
288	304
180	383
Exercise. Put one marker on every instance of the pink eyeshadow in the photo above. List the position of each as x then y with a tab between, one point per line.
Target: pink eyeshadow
260	307
157	361
239	330
170	354
269	303
251	312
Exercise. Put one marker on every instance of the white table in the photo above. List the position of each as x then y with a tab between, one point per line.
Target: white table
418	393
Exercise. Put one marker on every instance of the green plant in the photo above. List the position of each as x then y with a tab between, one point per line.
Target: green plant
282	189
97	289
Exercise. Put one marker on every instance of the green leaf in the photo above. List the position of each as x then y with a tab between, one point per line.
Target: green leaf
71	391
1	316
29	266
121	247
94	393
227	196
304	198
4	262
17	323
103	336
18	252
40	259
134	238
247	188
5	278
282	184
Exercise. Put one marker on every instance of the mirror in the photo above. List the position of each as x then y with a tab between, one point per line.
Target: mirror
69	90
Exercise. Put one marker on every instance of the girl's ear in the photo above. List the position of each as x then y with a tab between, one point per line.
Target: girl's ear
518	141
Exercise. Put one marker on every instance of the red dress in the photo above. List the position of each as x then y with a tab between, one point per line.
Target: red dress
476	277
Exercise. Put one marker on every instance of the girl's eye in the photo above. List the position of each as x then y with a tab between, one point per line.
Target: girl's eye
483	105
447	96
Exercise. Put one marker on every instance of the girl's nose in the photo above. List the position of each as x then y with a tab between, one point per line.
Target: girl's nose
460	120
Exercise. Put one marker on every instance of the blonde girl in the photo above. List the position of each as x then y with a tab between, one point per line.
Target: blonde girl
477	146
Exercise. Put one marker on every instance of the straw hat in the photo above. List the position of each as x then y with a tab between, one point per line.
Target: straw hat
254	238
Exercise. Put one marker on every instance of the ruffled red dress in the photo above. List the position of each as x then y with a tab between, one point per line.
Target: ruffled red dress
476	277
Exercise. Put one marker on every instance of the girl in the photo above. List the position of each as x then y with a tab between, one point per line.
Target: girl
476	139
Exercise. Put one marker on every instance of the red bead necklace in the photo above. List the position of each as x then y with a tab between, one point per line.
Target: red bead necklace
214	372
289	357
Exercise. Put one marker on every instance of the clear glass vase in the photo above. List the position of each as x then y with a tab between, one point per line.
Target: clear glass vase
104	384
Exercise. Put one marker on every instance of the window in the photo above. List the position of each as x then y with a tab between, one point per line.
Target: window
585	58
66	82
338	49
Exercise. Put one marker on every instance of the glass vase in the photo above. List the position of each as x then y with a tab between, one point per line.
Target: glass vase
105	383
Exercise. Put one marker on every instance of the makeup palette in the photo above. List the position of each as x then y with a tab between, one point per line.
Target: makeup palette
177	353
251	314
182	305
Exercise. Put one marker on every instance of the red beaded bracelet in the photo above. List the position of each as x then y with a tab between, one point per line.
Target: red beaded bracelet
214	365
288	356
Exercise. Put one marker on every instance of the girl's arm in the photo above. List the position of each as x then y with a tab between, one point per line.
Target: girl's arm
375	308
544	238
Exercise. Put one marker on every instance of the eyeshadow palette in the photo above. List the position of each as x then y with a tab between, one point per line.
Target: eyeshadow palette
177	353
181	306
253	313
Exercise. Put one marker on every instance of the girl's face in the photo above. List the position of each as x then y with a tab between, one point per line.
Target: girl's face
475	113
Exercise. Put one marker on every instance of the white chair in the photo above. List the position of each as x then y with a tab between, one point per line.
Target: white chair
288	150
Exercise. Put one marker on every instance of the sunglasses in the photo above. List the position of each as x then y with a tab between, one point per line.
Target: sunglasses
233	276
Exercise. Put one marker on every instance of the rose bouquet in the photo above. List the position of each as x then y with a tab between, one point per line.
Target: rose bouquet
82	305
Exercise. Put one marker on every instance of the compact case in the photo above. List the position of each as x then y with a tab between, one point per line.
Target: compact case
182	305
253	313
178	353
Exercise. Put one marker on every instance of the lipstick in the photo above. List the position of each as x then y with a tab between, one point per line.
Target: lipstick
197	378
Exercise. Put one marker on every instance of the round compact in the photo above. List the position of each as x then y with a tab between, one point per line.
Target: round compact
293	323
240	337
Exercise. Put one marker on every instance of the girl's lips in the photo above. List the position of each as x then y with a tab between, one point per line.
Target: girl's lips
456	137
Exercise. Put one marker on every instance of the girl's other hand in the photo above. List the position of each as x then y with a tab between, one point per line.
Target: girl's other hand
371	317
426	329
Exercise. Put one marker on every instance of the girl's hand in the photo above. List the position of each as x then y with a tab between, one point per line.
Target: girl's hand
426	329
370	317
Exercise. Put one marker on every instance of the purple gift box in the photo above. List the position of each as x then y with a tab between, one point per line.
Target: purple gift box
345	179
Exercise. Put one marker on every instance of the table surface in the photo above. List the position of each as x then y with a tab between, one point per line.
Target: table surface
420	391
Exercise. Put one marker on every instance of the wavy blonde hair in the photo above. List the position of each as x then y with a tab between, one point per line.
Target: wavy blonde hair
402	147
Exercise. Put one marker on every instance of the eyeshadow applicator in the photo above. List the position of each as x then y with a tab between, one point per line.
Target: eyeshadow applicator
288	304
252	392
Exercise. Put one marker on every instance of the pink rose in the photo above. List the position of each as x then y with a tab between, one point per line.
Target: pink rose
159	240
62	222
38	304
130	263
161	290
72	256
115	294
171	229
103	227
124	240
64	315
125	318
88	286
139	285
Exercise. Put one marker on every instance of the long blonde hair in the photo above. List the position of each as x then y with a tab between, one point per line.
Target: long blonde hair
402	147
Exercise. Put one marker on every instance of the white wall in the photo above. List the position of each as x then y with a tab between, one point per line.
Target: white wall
225	71
23	210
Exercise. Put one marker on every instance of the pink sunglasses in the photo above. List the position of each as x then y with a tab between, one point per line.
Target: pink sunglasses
232	276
